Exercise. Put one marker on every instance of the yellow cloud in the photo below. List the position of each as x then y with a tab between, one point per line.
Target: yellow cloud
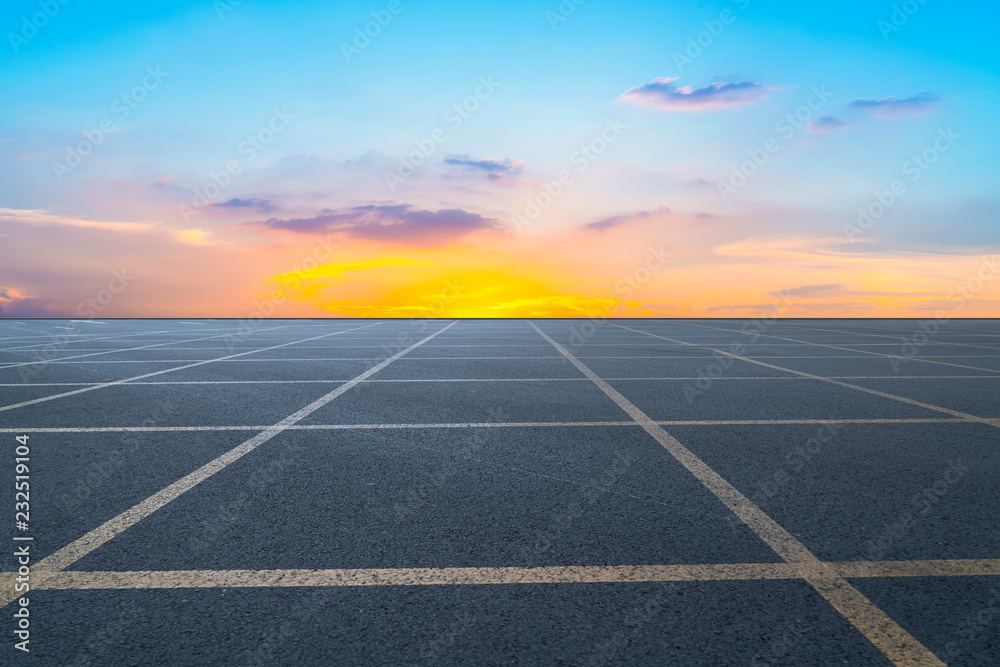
193	237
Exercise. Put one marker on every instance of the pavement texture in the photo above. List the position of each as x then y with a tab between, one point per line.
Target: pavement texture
574	492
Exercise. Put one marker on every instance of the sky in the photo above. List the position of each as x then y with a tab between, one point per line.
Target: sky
582	158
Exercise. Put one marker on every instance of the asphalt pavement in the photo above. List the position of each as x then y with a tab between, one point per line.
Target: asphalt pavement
480	492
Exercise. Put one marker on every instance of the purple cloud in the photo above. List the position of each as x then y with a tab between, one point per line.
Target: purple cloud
262	205
390	222
491	165
825	125
890	107
663	94
614	221
17	306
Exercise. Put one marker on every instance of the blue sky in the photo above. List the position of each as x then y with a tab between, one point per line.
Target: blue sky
561	72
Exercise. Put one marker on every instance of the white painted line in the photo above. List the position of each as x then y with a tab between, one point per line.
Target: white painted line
429	425
423	380
127	349
449	576
915	328
883	632
480	576
51	340
82	546
154	373
86	337
874	392
104	361
273	359
440	358
848	349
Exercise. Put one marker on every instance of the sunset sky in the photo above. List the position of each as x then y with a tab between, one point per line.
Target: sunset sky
523	159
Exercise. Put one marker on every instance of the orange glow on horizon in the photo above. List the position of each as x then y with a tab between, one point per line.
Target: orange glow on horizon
801	278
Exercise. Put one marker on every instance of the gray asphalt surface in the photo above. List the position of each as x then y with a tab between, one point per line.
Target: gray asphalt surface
484	447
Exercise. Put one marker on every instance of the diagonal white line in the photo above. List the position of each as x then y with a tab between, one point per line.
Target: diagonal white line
181	333
883	632
30	348
88	337
848	385
129	349
938	341
850	349
167	370
82	546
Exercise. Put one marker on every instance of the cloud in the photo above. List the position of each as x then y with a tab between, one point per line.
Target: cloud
742	310
808	290
700	182
614	221
663	94
400	223
497	169
199	237
491	165
825	125
13	304
608	223
890	107
41	218
262	205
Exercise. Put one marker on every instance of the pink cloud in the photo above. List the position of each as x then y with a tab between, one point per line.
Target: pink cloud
615	221
398	223
661	93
